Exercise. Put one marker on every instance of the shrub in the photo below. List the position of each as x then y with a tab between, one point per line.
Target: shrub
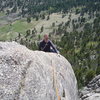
98	71
79	76
89	76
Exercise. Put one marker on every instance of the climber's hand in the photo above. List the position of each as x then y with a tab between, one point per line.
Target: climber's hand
58	53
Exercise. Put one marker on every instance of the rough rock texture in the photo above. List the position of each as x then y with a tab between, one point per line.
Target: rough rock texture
34	75
92	91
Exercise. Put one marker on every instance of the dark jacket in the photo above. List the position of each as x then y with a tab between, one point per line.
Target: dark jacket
47	47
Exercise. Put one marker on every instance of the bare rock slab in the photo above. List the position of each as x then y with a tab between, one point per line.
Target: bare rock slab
34	75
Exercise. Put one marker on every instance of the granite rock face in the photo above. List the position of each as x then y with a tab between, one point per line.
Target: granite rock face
34	75
92	90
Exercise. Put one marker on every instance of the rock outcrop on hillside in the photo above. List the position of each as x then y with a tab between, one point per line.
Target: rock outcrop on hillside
34	75
92	91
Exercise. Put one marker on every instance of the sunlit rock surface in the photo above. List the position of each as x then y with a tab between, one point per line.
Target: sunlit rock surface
34	75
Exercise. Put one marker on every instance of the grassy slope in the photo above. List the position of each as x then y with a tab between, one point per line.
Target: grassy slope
19	26
2	14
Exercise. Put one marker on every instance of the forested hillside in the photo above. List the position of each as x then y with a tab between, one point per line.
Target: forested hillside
82	49
32	7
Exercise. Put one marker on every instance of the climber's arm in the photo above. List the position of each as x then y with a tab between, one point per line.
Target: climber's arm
54	48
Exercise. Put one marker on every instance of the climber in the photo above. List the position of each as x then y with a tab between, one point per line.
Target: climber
47	46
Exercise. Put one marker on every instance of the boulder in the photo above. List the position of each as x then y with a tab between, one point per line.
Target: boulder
92	90
34	75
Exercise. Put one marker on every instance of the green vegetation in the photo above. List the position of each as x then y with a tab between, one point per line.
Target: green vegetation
32	7
98	71
11	30
89	76
22	26
82	49
2	14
